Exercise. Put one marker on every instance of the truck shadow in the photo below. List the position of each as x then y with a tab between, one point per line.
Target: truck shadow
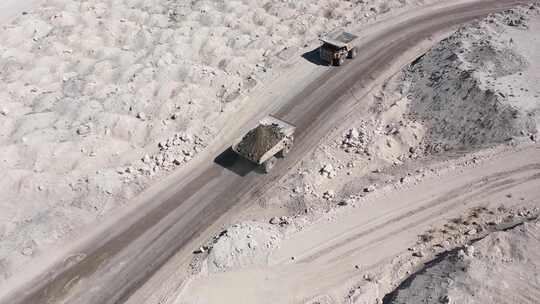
233	162
313	57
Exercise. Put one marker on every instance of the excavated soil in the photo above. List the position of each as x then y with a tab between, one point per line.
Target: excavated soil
260	140
471	90
501	268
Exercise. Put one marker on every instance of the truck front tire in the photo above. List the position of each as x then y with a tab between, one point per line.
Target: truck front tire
286	149
353	52
269	164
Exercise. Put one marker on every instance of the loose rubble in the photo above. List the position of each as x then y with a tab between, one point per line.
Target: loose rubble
356	140
242	245
471	90
328	171
463	275
260	140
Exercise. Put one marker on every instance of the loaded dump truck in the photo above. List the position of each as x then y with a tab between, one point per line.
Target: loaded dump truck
272	137
337	46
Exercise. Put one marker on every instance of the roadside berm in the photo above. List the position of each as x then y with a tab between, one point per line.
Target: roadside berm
501	268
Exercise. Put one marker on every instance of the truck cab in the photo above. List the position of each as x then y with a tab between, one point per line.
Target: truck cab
337	46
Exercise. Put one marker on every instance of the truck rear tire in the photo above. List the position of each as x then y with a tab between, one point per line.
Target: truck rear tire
269	164
340	61
353	52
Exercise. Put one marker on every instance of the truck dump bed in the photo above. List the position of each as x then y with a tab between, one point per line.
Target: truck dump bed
263	142
339	38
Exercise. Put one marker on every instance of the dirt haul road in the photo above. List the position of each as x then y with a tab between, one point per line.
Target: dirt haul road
112	264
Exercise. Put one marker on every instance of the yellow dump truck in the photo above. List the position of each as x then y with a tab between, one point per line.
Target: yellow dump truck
262	145
337	46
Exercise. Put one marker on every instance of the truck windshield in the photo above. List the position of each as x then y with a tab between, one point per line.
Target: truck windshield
329	47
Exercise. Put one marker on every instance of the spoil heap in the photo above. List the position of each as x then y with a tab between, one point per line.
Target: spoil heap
473	89
260	140
501	268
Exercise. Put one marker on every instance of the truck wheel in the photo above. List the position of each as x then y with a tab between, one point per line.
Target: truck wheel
269	164
286	149
353	52
340	61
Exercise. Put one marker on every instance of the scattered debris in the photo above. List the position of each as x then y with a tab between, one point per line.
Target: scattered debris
328	171
329	194
141	116
355	140
281	221
370	188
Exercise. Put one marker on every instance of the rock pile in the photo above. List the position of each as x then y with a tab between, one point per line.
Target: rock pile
355	140
476	222
328	171
178	149
173	152
280	221
465	275
463	90
514	18
329	194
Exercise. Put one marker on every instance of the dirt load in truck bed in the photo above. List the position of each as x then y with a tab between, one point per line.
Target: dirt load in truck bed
260	140
339	38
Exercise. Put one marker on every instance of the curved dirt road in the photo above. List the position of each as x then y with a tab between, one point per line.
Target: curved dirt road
111	265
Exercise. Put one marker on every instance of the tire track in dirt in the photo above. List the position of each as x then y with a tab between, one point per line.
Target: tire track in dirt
497	183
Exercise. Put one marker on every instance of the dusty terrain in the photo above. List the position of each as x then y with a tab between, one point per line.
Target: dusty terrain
467	105
125	250
101	108
100	99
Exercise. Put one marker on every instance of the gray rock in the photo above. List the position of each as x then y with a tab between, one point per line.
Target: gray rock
328	171
141	116
370	188
274	221
329	194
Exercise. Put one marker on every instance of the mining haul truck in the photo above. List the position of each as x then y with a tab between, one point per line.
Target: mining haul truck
272	138
337	46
